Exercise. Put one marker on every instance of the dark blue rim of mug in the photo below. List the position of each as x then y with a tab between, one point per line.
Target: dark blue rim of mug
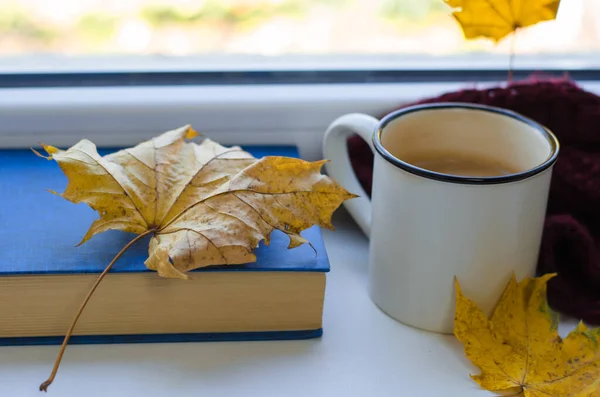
467	180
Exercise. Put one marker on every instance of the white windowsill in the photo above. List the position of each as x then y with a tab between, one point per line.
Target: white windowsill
249	114
362	352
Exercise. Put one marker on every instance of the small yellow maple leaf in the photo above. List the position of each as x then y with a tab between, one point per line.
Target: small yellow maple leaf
519	350
495	19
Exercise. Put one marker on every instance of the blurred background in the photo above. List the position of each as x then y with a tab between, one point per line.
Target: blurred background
34	33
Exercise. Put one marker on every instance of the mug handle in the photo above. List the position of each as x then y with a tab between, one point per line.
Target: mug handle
339	166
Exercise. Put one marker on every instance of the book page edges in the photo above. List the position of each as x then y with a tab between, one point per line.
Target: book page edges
144	303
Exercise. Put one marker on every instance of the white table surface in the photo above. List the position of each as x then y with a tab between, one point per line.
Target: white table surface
362	352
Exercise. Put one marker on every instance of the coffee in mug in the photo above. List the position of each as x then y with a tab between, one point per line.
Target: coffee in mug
460	163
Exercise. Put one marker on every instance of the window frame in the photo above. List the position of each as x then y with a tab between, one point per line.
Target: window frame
438	70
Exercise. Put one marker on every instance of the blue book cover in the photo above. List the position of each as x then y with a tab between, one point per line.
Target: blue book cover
39	232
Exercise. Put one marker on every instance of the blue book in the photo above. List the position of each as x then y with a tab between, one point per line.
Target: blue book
44	276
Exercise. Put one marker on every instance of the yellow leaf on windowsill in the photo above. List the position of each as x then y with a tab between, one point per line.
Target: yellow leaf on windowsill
519	350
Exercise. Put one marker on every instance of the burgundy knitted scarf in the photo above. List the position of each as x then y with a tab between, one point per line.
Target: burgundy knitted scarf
571	240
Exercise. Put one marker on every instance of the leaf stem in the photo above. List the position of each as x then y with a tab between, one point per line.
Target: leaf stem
48	382
511	59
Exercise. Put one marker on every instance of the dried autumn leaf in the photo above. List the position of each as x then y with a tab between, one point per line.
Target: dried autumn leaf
519	350
203	204
496	19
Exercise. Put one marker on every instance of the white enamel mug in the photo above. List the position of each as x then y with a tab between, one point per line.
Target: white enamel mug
426	228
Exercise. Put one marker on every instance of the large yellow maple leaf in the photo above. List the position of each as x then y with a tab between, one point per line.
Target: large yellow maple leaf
204	204
495	19
519	350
